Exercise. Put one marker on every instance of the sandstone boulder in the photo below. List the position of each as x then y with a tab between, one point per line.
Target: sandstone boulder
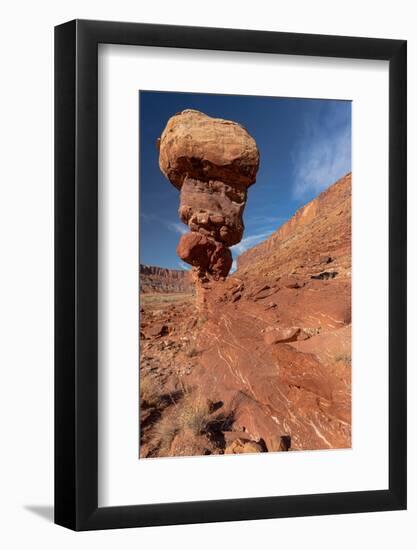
189	444
241	446
205	254
157	330
201	147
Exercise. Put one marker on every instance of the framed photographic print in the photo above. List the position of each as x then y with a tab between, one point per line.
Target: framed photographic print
230	247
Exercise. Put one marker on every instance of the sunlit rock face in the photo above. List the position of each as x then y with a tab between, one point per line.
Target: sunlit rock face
212	162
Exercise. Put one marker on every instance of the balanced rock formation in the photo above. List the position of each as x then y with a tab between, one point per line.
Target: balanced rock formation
212	162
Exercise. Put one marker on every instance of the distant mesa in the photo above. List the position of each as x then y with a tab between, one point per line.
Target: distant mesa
160	280
212	162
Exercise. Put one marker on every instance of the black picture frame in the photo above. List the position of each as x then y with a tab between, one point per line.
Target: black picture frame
76	272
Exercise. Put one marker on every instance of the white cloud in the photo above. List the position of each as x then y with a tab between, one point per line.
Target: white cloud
323	155
249	242
183	265
177	228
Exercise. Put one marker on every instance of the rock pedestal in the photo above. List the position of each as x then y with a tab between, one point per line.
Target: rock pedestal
212	162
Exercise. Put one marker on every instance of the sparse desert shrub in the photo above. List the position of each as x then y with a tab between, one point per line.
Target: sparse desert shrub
201	320
190	415
182	386
344	358
194	414
192	352
149	390
312	331
165	431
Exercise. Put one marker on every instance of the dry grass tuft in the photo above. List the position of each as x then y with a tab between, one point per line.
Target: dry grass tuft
192	352
165	431
344	358
201	320
194	414
191	414
149	390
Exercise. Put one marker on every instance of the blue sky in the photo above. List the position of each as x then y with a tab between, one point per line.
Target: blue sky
304	144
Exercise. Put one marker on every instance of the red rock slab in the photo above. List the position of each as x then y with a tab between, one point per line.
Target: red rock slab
280	335
329	347
266	384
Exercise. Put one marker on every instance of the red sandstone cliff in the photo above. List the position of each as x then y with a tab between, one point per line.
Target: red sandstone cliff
328	213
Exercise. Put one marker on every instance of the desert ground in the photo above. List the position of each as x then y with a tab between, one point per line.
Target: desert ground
260	360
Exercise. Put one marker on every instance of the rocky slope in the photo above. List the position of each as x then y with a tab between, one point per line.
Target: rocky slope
155	279
326	214
265	365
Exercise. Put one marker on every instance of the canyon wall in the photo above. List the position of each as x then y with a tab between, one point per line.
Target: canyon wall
157	280
325	214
